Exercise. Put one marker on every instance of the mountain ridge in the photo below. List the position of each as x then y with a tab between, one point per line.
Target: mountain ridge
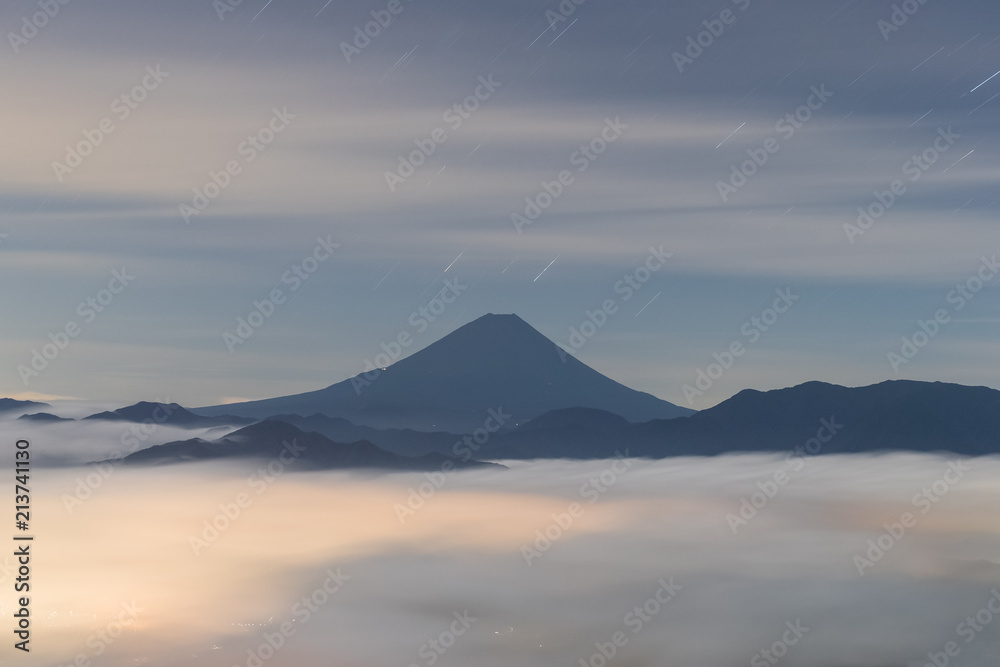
293	448
12	405
170	414
894	415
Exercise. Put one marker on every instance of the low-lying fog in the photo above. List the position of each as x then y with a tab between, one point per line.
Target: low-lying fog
86	440
651	564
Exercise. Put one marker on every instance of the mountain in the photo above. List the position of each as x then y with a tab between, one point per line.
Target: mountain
811	418
892	415
583	431
895	415
168	413
10	406
497	362
399	441
571	433
589	419
296	449
44	417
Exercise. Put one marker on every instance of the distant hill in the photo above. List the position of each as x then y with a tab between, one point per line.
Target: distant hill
407	442
494	362
11	406
894	415
168	413
299	451
574	433
590	419
812	418
44	417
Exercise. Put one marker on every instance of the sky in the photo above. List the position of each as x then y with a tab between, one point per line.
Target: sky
178	164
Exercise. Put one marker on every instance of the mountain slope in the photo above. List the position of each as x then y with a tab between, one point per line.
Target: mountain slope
494	362
894	415
399	441
12	406
168	413
44	417
897	414
295	448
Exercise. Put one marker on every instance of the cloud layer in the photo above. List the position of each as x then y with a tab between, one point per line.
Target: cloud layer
466	548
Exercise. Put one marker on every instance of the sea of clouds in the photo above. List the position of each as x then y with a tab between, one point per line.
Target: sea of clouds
839	561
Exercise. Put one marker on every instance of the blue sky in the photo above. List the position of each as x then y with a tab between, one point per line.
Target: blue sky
872	86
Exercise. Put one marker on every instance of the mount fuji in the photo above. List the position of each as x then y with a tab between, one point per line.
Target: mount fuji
495	364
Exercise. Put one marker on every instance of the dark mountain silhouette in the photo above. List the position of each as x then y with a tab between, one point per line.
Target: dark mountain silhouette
582	429
45	417
496	361
171	414
10	406
297	449
898	414
893	415
407	442
590	419
811	418
573	433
